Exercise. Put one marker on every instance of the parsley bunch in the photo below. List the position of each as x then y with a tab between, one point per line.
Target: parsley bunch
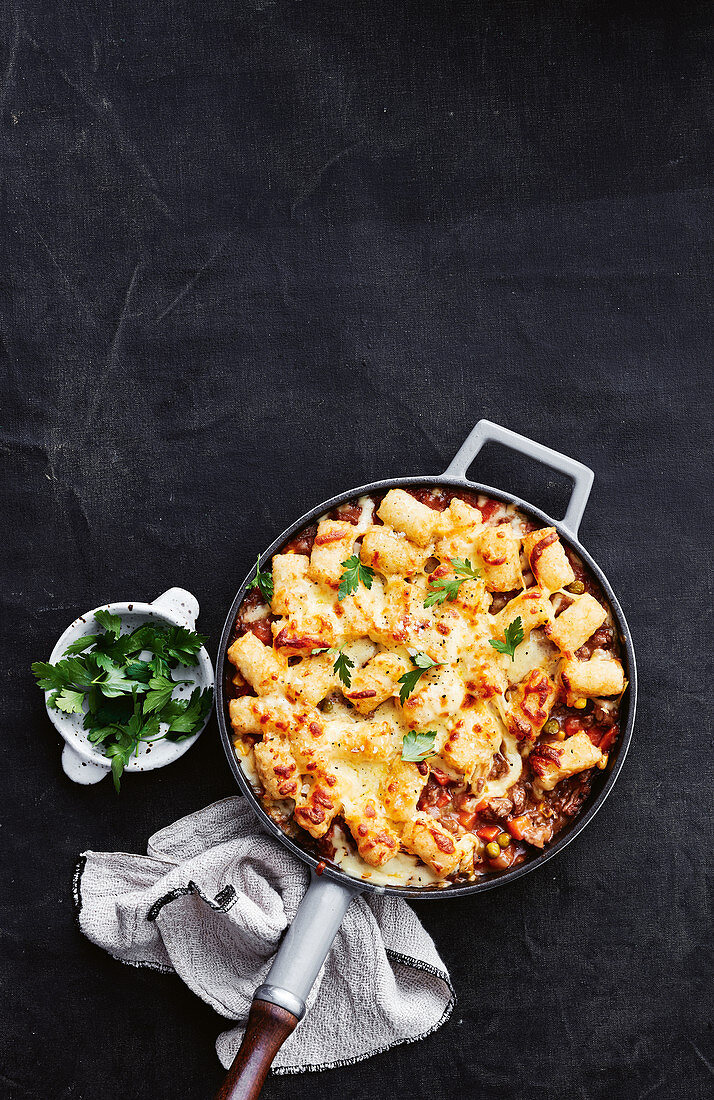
125	698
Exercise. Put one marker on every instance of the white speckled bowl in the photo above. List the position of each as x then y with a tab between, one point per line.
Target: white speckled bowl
80	760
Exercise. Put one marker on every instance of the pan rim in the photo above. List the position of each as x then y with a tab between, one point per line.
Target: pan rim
485	883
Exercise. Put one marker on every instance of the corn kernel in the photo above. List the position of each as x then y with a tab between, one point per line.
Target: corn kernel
580	704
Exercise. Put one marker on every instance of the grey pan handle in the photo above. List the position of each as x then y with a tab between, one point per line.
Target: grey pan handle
279	1004
487	432
306	944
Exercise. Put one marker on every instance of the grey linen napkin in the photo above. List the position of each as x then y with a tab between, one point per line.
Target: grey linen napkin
211	900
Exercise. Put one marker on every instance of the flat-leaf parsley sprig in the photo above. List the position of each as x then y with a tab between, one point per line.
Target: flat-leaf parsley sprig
125	699
447	588
354	573
410	679
514	637
343	664
418	744
263	581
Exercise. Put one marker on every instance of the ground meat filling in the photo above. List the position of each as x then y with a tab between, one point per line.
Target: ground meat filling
525	819
302	542
254	615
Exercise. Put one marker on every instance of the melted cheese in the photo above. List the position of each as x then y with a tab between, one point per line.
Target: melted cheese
247	763
402	870
535	652
365	519
496	788
345	755
255	614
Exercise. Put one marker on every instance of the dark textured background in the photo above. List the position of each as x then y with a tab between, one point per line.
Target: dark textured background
254	253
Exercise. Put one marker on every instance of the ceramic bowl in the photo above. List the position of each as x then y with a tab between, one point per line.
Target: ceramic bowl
80	760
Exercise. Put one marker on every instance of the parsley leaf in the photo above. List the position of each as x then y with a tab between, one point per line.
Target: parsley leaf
445	588
149	731
441	590
81	671
139	670
342	667
101	733
514	637
410	679
50	677
464	568
110	622
354	573
342	664
119	762
182	646
100	659
83	642
71	672
418	744
115	682
127	739
161	688
159	666
185	716
109	712
71	702
263	581
117	650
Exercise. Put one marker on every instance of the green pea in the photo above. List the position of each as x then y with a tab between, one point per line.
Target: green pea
551	727
577	588
493	850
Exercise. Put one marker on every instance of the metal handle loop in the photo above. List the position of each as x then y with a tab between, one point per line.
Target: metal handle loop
486	431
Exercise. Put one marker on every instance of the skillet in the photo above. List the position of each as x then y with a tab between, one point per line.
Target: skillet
279	1003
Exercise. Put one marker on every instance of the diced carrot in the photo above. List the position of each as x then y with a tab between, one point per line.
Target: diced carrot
468	819
516	826
603	738
609	738
440	777
488	832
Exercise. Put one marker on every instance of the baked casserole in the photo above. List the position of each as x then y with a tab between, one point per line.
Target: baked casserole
423	685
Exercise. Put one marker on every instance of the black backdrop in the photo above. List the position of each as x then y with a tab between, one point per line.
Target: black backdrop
256	252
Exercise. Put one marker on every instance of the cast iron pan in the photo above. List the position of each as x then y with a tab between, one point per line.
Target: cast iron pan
279	1004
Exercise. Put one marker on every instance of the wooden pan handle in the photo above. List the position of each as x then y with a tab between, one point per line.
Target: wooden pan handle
268	1028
